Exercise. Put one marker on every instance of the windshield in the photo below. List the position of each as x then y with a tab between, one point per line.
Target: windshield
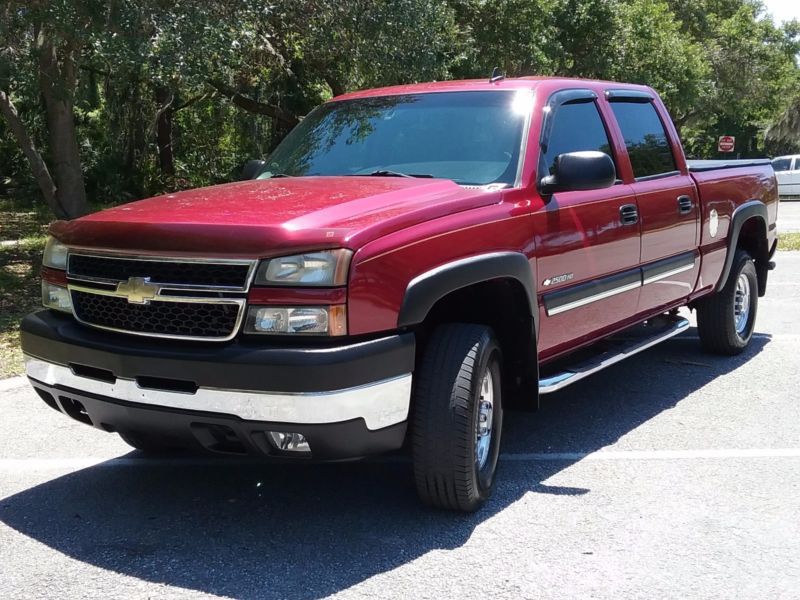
473	138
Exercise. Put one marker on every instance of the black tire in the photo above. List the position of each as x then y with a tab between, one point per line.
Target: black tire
447	407
149	445
716	322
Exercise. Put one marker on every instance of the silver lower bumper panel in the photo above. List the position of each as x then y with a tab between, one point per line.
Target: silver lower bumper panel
380	404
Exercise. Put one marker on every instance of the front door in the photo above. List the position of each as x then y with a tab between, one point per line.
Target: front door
587	242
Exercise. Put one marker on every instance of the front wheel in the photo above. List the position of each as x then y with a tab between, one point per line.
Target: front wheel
458	417
726	319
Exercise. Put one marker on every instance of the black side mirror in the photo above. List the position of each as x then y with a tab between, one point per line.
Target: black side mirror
252	169
588	170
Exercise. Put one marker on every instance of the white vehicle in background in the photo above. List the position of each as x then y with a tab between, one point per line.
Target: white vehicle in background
787	171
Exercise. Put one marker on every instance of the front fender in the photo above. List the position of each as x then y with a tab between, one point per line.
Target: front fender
425	290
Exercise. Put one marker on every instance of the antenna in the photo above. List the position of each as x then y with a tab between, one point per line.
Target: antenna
497	75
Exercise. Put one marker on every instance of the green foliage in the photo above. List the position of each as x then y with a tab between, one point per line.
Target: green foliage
651	49
182	70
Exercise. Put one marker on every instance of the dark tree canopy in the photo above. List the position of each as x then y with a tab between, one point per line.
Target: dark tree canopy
109	101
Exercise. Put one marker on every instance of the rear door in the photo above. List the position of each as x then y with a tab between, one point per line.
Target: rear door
587	249
666	196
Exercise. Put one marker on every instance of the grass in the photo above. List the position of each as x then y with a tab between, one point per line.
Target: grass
22	239
789	241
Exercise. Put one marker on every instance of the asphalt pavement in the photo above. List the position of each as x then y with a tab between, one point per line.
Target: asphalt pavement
674	474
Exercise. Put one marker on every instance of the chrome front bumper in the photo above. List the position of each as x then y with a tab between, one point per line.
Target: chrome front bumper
380	404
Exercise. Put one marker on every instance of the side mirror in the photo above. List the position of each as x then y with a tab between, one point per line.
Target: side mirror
588	170
252	169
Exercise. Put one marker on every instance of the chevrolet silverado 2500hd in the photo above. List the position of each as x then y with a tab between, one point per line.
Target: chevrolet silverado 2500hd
407	262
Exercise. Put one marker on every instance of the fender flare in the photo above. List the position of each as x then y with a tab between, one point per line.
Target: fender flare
427	289
752	209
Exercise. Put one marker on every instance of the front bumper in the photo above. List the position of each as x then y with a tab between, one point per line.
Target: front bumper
348	401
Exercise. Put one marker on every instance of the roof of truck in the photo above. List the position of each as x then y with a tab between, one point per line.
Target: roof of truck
471	85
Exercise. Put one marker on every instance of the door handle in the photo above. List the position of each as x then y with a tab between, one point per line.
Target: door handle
685	205
629	214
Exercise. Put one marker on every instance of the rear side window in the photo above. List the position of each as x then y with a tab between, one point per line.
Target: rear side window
781	164
576	127
645	138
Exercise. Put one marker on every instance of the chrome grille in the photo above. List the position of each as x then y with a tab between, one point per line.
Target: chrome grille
161	297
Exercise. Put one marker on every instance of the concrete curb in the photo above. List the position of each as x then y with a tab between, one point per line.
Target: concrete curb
13	383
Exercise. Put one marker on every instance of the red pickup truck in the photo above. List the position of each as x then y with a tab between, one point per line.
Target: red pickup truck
405	265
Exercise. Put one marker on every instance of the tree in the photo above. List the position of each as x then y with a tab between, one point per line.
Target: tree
127	98
49	36
783	135
39	168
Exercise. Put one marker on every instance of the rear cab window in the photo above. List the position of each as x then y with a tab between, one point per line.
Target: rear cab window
645	137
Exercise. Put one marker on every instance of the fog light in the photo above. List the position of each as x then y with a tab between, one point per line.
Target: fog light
56	297
289	442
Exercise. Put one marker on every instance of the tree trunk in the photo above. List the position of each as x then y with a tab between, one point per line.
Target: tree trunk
38	166
337	89
164	130
57	83
278	113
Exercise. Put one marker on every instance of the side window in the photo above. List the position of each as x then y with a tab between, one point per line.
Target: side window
781	164
645	138
576	127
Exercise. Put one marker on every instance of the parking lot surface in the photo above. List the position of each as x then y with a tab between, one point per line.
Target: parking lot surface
672	474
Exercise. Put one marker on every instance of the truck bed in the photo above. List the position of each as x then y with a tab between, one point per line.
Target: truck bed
698	166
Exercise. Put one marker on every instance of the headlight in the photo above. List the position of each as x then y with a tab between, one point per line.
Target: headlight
56	297
294	320
55	254
323	269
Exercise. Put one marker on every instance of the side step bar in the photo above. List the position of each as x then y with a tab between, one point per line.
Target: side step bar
622	349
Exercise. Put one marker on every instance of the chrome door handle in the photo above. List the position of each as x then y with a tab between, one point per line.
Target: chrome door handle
685	205
629	214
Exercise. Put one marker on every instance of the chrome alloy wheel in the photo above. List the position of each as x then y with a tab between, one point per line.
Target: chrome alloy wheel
484	428
741	304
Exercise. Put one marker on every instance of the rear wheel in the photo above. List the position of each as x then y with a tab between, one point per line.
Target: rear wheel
458	417
726	319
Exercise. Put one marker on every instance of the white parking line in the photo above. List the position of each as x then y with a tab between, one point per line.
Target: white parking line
74	464
766	336
656	454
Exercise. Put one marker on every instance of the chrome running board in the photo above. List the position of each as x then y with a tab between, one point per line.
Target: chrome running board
621	348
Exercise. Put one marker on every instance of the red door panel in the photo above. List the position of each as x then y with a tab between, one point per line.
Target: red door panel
669	213
580	238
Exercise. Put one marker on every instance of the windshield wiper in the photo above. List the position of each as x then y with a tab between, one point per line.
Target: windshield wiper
387	173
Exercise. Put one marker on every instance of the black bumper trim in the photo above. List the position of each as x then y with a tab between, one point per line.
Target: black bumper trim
238	365
195	430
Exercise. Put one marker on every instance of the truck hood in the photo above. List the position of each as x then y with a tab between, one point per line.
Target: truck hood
266	217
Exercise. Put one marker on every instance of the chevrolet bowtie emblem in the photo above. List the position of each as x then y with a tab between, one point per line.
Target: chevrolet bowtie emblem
138	290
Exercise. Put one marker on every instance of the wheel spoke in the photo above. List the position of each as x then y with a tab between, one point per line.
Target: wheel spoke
483	434
741	304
